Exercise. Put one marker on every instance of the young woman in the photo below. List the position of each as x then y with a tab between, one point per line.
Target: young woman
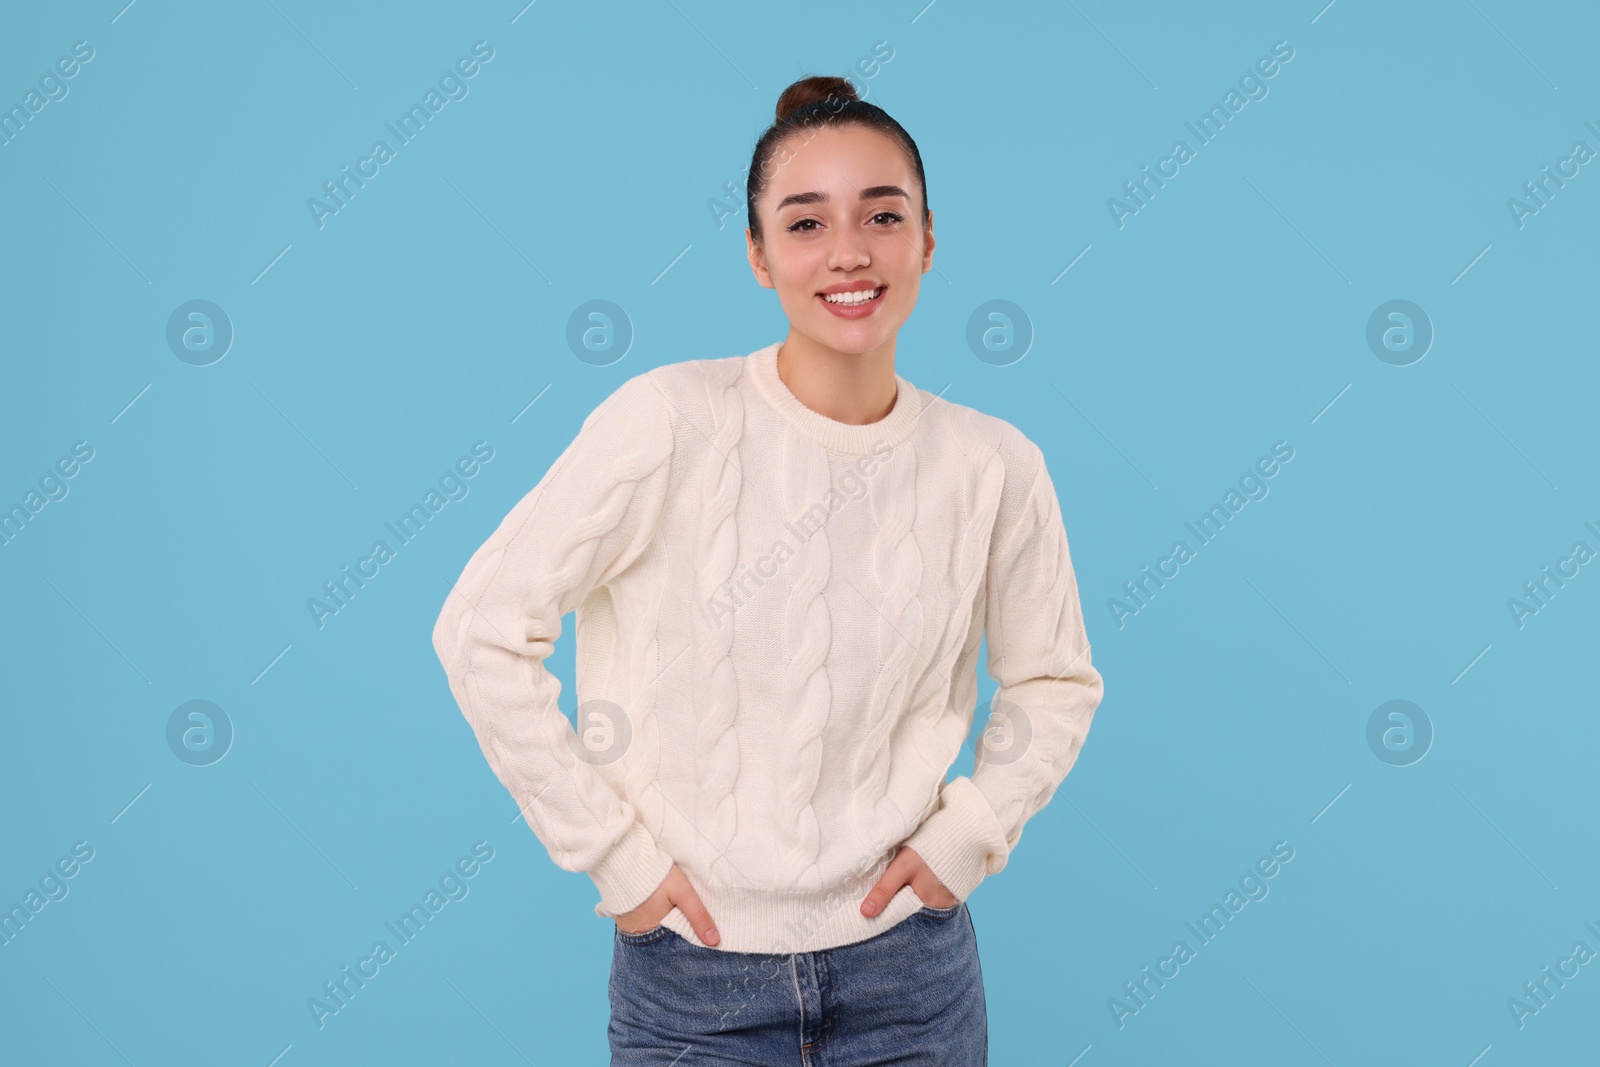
782	564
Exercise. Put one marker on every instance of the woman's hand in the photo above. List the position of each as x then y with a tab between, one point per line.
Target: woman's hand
673	892
907	868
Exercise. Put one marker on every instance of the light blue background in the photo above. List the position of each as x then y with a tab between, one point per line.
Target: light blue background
1228	314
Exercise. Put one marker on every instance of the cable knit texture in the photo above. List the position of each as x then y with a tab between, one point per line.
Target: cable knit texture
778	619
808	636
716	743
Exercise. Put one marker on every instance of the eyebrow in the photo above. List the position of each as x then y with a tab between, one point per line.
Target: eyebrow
871	192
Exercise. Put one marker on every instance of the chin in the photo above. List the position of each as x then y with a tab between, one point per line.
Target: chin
854	338
853	342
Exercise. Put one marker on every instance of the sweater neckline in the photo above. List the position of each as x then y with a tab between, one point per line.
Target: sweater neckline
830	433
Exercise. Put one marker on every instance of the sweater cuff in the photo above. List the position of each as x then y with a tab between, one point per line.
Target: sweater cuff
962	841
629	872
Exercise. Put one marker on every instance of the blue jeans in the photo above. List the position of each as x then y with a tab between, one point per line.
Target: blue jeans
911	995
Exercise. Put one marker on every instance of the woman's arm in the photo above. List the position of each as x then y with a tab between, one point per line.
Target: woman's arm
593	513
1039	653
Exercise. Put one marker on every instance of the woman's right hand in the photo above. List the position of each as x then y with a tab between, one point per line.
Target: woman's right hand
673	892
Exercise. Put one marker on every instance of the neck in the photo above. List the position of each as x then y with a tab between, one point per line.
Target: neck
848	387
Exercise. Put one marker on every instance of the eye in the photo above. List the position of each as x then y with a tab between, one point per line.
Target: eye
890	214
793	227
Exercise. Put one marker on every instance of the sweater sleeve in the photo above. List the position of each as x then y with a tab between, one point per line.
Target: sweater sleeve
590	517
1039	655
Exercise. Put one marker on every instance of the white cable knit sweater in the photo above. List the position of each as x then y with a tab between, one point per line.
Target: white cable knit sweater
778	619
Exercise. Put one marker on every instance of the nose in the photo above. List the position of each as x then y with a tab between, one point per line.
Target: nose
849	250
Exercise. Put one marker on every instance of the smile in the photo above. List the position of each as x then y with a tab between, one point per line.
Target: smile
853	305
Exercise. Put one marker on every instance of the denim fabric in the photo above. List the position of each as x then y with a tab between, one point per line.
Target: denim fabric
911	995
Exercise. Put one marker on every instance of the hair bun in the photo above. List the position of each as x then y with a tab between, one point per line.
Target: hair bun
810	90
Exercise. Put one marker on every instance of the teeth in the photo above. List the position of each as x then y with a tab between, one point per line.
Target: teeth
852	298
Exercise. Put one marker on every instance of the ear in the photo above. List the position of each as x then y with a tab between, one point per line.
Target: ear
758	260
927	245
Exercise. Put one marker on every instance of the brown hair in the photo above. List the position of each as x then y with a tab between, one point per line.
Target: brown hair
812	103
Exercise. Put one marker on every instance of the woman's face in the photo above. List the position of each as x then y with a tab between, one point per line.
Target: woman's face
842	209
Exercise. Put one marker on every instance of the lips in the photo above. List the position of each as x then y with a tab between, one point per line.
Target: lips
856	310
852	287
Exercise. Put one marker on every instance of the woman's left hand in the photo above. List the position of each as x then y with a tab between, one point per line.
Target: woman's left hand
907	868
